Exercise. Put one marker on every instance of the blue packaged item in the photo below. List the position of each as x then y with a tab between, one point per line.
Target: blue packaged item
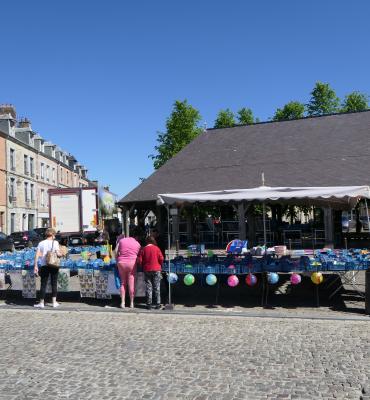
117	279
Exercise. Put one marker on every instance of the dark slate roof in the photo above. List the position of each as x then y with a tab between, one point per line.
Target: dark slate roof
315	151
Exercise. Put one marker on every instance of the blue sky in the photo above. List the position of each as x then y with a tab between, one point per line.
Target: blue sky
99	78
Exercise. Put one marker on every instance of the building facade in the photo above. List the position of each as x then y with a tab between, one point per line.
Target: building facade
29	167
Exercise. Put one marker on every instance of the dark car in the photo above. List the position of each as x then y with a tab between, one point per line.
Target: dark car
41	232
6	243
25	239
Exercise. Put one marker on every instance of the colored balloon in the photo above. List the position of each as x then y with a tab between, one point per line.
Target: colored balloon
188	266
211	279
251	280
172	278
272	278
232	280
317	278
189	279
231	266
295	279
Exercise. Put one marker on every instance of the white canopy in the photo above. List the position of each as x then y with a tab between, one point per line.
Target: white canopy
343	197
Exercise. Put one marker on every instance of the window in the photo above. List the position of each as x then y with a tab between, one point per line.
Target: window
12	159
47	173
53	172
32	169
12	222
67	178
26	197
25	164
2	222
12	188
61	174
42	198
32	192
42	170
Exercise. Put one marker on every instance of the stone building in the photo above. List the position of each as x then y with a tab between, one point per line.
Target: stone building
29	167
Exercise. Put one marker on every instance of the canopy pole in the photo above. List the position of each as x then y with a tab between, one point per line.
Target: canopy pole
264	213
264	224
169	306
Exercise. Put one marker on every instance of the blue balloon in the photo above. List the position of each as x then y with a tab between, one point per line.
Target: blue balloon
211	279
272	278
172	278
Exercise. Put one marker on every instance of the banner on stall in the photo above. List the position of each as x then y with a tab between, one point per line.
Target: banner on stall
28	285
87	283
101	284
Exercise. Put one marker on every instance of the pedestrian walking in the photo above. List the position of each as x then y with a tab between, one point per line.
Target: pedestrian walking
126	256
48	252
151	259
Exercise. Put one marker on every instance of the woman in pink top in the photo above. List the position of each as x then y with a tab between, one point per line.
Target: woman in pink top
126	255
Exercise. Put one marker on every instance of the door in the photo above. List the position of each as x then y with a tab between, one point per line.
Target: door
31	221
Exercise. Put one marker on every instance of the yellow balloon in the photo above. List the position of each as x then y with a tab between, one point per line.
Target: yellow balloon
317	278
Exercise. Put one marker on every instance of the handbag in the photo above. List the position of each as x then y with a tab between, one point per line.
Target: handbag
51	258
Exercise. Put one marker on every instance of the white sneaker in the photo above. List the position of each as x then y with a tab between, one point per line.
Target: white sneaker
55	305
39	305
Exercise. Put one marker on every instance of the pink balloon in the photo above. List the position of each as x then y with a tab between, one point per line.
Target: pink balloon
295	279
232	280
231	266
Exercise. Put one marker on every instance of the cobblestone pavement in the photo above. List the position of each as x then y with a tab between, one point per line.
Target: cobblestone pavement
103	355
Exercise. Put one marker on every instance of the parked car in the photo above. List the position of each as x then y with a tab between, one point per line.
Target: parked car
75	240
6	243
41	232
25	239
365	223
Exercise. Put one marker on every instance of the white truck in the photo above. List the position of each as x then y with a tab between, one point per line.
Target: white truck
73	211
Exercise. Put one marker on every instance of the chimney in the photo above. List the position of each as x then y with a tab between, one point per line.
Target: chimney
25	123
8	109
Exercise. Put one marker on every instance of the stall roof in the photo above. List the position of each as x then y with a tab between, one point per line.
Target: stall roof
335	196
315	151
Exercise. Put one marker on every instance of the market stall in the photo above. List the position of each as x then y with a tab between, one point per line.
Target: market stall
302	261
94	277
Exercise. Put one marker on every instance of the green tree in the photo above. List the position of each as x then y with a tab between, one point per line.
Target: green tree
291	110
323	100
225	119
181	128
245	116
355	101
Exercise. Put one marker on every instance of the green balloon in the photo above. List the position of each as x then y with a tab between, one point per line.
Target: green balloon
189	266
189	279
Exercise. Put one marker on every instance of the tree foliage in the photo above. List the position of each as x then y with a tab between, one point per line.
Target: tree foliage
291	110
225	119
245	116
355	101
323	100
181	128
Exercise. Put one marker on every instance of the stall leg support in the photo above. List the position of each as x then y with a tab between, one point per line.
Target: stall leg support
367	291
